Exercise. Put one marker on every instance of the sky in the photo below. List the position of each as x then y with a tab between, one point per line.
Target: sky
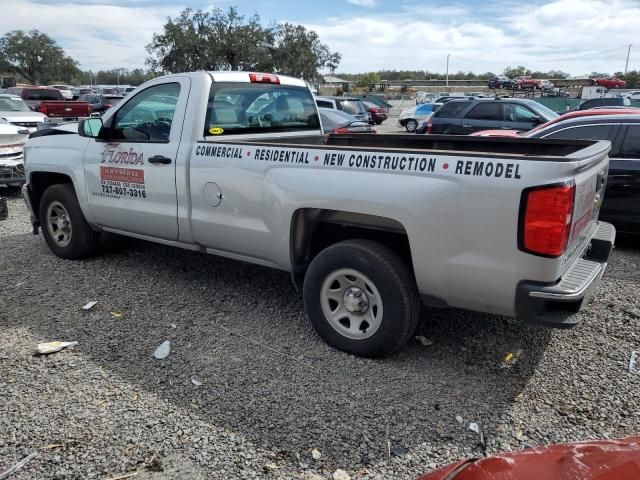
576	36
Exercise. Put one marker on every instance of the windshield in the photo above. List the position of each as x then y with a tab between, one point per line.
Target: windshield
43	94
11	104
235	108
352	107
546	112
335	118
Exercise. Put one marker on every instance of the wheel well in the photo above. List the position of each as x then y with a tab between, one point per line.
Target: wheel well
313	230
39	182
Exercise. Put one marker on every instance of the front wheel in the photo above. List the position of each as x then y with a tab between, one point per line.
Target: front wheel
64	227
411	125
361	298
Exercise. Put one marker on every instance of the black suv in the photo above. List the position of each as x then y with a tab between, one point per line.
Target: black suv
462	117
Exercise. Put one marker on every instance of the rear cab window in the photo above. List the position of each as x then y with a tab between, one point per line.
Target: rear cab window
250	108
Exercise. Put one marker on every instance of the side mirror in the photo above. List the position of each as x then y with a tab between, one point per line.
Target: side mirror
536	120
90	127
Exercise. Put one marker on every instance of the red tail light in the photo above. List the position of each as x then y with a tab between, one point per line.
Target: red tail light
107	105
341	130
263	78
375	109
545	219
430	125
43	109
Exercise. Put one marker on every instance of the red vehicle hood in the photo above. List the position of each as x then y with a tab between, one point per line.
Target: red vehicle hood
592	460
495	133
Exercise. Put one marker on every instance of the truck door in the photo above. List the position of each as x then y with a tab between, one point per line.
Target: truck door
130	171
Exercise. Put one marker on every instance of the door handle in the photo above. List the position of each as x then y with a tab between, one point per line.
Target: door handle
466	125
160	159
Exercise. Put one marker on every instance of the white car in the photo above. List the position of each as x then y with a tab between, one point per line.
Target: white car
66	90
635	95
12	142
15	111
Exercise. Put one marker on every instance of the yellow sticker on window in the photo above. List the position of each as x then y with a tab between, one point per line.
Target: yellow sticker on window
216	131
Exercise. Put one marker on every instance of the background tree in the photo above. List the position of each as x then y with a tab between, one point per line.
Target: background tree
226	40
518	71
299	52
36	57
367	79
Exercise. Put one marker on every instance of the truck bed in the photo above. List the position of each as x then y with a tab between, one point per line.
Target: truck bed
539	149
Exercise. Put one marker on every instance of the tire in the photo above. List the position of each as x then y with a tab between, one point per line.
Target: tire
387	304
411	125
64	227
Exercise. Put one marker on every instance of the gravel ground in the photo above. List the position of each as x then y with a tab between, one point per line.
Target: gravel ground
271	389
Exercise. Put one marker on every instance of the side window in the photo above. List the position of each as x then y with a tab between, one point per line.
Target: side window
147	117
630	147
486	111
518	113
324	104
450	109
586	132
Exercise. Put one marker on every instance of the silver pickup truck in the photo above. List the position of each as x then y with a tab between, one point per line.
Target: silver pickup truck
370	226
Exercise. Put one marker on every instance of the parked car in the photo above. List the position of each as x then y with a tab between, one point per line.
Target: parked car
611	82
108	91
546	85
635	95
15	111
351	105
338	122
501	81
12	142
410	117
593	112
425	97
604	102
377	99
100	103
49	101
378	114
621	204
65	90
447	98
462	117
590	460
78	92
528	83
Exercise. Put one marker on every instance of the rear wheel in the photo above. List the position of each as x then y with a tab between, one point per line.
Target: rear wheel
64	227
361	298
411	125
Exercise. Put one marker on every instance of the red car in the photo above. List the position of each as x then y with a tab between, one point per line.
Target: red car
593	460
573	114
378	114
610	82
524	83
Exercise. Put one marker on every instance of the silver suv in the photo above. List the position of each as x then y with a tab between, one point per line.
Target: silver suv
351	105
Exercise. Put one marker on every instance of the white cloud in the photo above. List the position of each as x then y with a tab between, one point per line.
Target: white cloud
364	3
568	35
98	36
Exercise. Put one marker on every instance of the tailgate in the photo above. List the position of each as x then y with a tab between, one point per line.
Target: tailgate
590	186
67	109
